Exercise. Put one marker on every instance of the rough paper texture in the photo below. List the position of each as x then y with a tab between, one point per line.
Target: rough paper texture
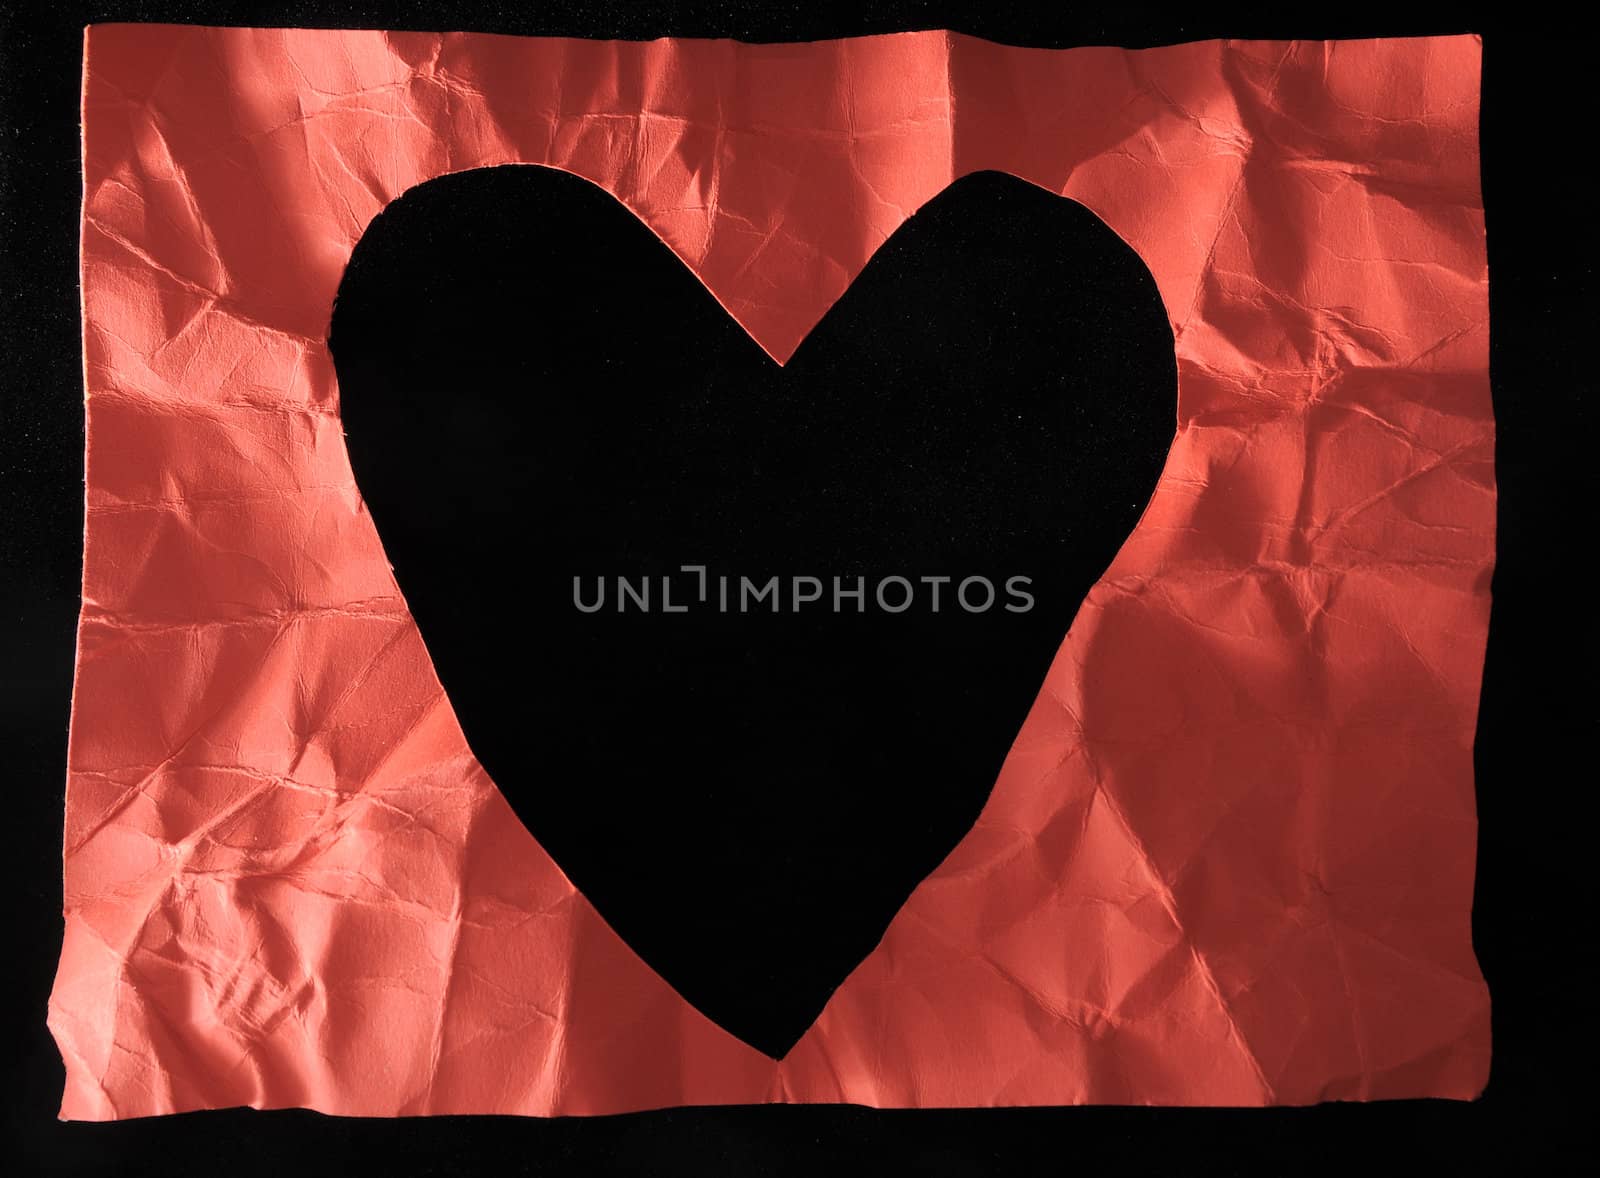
1230	858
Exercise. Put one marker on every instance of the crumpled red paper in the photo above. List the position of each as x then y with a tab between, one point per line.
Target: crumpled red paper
1230	858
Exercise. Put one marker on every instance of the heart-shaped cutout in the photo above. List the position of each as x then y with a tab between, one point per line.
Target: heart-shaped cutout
587	476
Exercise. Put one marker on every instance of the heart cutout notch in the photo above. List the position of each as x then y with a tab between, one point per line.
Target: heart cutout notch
745	645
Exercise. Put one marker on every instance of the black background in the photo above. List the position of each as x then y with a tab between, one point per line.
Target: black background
1532	919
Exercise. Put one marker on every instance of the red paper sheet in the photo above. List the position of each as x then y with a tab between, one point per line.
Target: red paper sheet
1230	857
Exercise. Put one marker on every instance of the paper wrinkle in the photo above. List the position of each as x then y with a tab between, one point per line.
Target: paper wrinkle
1229	859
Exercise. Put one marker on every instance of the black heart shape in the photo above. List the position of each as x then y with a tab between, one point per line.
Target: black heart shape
535	389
